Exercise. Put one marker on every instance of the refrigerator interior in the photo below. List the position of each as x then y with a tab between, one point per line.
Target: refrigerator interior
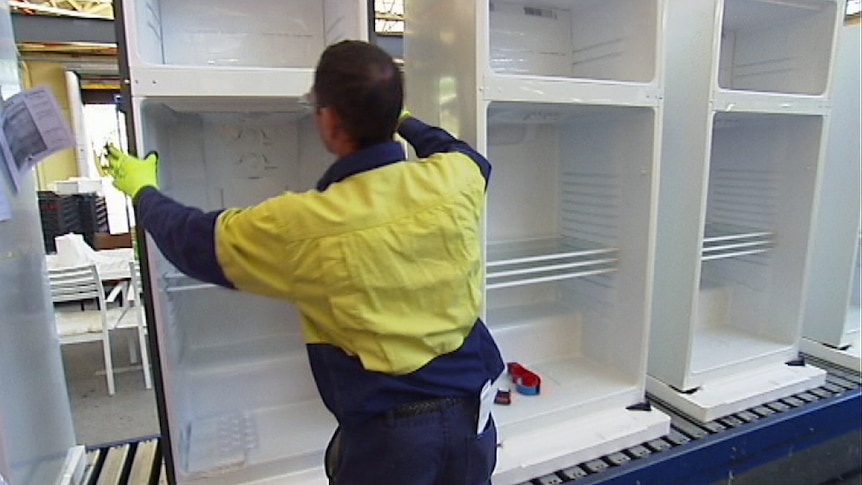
776	46
829	319
592	39
238	388
251	33
568	223
759	203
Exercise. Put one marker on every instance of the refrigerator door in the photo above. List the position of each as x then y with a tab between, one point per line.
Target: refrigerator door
35	418
215	87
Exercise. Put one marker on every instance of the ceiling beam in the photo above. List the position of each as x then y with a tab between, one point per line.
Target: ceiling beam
49	29
68	8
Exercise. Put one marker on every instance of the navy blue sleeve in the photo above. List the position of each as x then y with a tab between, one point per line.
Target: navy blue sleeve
185	235
428	140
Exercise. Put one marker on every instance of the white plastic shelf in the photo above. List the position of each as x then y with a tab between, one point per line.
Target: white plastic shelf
190	287
176	282
728	241
572	383
543	260
255	350
582	403
216	328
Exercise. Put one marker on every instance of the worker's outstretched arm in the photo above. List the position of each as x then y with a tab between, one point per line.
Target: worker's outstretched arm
428	140
185	235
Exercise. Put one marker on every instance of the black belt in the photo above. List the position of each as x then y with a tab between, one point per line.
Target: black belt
424	407
333	450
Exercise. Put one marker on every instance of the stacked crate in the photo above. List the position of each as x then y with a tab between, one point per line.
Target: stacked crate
84	214
93	213
59	214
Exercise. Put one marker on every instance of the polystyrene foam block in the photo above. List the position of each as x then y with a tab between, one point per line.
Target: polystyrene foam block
728	395
545	449
850	357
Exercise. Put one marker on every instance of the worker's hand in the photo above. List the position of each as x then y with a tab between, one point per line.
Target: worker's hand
403	116
130	173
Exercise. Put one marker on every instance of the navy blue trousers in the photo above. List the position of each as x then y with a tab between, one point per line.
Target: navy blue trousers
439	447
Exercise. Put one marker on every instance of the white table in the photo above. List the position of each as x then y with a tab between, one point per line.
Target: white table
112	265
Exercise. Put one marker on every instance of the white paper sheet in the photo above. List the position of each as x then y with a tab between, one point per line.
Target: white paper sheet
33	127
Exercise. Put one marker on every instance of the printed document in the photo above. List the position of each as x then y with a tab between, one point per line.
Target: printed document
31	128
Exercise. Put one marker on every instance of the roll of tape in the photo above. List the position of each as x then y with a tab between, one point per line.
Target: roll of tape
526	382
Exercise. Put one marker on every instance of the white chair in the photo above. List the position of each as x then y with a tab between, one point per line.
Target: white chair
82	283
135	297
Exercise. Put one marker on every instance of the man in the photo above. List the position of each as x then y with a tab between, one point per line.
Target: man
383	261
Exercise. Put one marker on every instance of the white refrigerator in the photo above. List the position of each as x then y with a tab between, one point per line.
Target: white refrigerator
36	431
216	86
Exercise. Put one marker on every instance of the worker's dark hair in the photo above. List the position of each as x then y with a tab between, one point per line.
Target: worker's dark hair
364	86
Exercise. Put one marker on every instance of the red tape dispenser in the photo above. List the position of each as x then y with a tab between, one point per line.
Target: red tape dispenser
526	382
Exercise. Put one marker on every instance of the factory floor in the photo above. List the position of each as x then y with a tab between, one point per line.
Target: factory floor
99	418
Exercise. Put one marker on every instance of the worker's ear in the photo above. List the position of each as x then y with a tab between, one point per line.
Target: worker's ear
325	116
332	132
327	125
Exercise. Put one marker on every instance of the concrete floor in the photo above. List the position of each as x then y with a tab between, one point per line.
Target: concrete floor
99	418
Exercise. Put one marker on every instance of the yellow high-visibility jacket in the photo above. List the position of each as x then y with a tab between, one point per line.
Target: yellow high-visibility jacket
383	261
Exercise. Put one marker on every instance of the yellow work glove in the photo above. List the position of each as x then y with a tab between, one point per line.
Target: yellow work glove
403	116
130	173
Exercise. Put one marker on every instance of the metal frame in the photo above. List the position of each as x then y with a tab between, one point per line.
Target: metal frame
125	106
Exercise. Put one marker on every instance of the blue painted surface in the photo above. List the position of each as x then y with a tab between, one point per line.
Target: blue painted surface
735	450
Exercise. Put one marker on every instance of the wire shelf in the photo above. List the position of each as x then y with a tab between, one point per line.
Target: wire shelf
543	260
722	241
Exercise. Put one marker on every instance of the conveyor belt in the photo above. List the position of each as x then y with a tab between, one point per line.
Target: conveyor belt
691	453
704	453
132	463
